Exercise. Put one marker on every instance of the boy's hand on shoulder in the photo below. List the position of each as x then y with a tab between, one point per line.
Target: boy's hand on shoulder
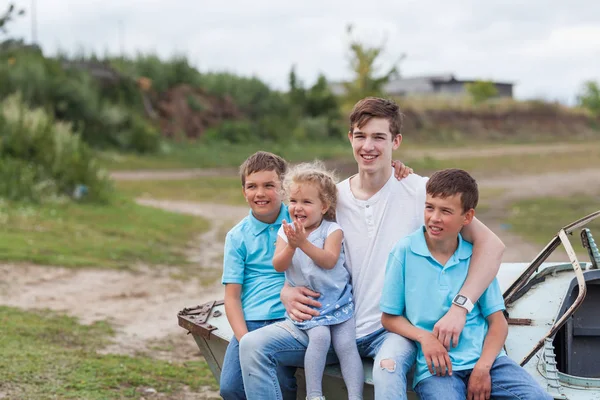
436	355
480	383
401	171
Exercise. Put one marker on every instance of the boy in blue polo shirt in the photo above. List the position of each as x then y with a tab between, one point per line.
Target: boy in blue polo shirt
424	273
252	285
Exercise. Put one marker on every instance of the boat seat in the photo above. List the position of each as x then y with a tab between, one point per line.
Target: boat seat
577	343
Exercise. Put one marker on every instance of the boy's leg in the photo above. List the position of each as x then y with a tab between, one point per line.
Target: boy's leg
394	357
510	381
263	351
319	340
443	387
231	384
343	337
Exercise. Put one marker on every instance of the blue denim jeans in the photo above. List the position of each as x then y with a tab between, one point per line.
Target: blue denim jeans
283	344
509	381
231	383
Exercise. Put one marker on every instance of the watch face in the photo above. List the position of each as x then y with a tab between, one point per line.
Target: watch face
460	300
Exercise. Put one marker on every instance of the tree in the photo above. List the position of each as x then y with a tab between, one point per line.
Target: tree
297	91
590	97
363	62
481	91
8	16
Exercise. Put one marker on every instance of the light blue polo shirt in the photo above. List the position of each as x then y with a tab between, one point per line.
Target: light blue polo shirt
421	289
248	261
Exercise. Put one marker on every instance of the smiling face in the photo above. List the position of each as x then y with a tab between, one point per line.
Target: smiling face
263	193
306	206
373	144
444	217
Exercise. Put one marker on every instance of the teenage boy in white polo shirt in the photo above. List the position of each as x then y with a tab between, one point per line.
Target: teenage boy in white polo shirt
375	210
424	274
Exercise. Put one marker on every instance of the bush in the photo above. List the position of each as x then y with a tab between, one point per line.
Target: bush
233	132
41	158
590	97
107	115
481	91
162	74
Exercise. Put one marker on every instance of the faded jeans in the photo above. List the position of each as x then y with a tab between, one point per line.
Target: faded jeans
231	384
283	344
509	381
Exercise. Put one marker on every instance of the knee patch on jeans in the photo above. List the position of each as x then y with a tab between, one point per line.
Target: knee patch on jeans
388	364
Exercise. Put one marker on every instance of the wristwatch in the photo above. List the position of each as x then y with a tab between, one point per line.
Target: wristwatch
464	302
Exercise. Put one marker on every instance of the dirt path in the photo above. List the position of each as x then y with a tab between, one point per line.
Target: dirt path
142	305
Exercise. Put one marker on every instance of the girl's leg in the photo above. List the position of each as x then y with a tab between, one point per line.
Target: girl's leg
343	337
319	339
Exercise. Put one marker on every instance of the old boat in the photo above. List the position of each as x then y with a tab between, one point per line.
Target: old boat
552	309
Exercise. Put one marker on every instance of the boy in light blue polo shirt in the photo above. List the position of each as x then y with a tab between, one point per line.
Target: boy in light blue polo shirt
252	286
424	274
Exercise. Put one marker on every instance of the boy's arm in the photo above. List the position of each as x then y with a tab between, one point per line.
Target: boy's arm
484	265
434	352
283	255
233	309
328	256
480	382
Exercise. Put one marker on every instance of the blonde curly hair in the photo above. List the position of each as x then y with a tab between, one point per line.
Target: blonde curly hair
316	174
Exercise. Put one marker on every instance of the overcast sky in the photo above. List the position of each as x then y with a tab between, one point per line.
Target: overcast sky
546	47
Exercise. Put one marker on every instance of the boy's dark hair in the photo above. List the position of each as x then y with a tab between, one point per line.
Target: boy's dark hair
452	181
263	161
375	107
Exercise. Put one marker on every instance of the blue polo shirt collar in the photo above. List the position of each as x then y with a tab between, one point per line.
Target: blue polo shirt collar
418	245
257	227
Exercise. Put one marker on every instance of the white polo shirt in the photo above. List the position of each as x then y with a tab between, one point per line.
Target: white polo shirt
371	229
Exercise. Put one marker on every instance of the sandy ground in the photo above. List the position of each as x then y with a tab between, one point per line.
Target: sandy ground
143	304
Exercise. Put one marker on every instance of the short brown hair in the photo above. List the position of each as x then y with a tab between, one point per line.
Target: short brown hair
375	107
263	161
452	181
315	173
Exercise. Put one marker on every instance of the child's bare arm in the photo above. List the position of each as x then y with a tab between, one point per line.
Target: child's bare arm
494	340
283	255
480	381
328	256
233	309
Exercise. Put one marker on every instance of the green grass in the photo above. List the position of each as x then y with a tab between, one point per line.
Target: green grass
209	155
539	219
47	356
221	189
118	235
514	164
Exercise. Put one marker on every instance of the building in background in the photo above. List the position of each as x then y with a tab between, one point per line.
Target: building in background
435	85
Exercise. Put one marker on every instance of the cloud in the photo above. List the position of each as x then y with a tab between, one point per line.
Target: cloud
547	47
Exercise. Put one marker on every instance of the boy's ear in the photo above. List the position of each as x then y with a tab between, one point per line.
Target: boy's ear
469	217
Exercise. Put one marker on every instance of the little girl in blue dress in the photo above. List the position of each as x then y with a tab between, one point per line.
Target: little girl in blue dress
310	252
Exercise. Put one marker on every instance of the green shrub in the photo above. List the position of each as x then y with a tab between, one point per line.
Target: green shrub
481	91
41	158
589	97
107	115
163	74
233	132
